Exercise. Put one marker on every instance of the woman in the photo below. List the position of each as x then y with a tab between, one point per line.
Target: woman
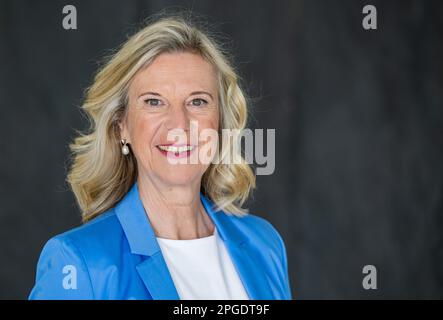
155	226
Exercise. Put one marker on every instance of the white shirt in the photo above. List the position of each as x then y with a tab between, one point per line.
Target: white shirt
202	269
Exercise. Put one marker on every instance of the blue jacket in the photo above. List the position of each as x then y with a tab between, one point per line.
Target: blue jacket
117	256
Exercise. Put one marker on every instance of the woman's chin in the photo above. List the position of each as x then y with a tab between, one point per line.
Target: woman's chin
179	176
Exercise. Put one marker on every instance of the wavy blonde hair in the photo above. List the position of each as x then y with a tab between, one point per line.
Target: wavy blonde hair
100	175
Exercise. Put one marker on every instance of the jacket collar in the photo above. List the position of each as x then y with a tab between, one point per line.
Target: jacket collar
153	269
140	234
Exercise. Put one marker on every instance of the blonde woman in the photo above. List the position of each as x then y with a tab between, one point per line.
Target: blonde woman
155	228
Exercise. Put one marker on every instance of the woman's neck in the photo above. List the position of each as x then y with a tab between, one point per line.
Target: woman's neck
175	212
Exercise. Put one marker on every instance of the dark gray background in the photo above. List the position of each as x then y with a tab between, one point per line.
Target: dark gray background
358	117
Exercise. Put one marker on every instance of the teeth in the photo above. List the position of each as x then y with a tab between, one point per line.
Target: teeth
176	149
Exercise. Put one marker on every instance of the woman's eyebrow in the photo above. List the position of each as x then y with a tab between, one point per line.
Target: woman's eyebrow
192	93
202	92
150	92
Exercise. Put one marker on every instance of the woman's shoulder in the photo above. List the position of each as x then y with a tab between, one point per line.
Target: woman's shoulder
72	255
98	228
92	236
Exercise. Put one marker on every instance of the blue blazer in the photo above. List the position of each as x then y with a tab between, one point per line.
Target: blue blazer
117	256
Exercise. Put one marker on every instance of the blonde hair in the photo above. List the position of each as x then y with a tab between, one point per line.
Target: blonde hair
100	175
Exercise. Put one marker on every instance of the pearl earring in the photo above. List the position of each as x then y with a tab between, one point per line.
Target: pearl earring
125	148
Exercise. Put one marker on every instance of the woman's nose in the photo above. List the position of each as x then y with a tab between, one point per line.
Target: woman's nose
178	119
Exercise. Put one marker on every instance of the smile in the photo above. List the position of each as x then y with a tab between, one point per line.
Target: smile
176	151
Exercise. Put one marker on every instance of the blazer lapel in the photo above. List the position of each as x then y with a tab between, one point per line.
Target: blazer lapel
153	269
157	279
142	241
252	273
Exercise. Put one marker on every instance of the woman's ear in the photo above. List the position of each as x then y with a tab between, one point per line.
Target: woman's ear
123	130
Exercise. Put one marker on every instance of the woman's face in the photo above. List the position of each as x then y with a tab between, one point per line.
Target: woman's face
175	89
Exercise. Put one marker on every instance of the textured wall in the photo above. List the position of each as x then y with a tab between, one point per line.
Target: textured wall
358	117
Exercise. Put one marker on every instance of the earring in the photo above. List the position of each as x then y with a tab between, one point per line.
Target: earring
125	148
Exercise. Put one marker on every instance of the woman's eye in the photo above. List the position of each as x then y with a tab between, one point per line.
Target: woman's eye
152	102
198	102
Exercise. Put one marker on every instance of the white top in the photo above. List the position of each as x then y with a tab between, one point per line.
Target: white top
202	269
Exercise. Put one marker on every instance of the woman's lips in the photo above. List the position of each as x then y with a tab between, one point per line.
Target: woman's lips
176	151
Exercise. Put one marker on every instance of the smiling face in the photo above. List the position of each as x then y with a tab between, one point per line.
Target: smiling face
175	89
